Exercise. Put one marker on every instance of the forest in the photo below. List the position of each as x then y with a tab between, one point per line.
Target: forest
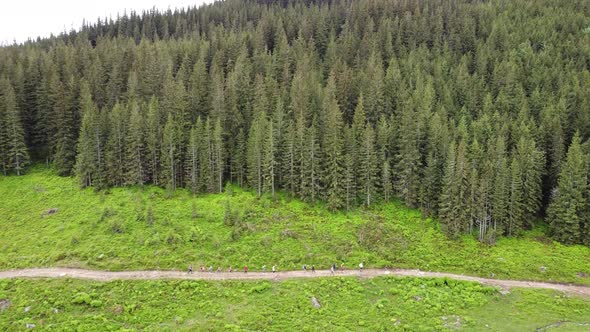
477	112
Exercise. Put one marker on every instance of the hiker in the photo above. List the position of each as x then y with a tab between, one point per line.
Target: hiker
332	269
361	267
202	268
229	270
304	268
263	268
342	267
313	268
245	269
211	268
190	269
274	269
218	269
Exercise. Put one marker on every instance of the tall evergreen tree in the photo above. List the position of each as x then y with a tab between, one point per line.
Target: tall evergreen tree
135	156
333	149
568	211
15	153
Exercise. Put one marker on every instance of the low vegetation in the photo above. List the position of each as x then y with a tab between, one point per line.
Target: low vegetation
379	304
139	228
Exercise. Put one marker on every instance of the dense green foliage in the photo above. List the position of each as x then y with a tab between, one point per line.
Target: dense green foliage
462	108
140	228
380	304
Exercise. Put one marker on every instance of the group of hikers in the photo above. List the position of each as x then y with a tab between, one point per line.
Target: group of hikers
333	268
273	269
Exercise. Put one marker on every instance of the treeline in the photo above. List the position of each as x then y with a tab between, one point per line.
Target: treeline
475	112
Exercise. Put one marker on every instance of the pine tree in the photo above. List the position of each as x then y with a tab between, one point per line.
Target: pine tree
501	186
358	129
531	162
238	159
515	204
368	166
290	160
269	160
567	211
64	129
116	145
193	163
255	154
311	168
454	211
15	152
333	149
408	168
87	156
154	140
218	154
169	154
349	170
136	147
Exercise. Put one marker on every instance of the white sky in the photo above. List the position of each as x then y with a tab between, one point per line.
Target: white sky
23	19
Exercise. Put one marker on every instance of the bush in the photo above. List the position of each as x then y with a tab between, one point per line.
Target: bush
117	227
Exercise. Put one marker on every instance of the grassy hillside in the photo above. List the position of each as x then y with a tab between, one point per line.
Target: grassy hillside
378	304
114	231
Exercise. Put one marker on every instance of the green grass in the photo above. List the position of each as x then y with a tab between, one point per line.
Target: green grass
379	304
111	231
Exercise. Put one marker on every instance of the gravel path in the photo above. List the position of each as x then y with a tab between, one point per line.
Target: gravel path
153	275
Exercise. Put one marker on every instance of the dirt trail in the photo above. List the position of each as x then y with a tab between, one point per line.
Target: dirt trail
152	275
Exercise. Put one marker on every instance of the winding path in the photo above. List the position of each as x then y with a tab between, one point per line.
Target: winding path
153	275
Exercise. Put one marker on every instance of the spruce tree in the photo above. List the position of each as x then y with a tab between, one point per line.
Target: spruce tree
255	152
368	166
116	145
193	158
154	140
311	169
15	149
135	156
87	156
333	149
568	210
169	154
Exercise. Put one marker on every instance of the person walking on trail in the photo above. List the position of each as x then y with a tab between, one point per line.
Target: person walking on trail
274	269
190	269
304	268
332	269
245	269
361	267
218	269
202	268
263	268
313	268
342	267
211	268
229	270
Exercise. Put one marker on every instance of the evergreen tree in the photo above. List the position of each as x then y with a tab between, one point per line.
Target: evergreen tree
87	157
568	211
255	152
270	160
193	158
154	140
311	169
116	145
135	147
333	149
15	152
516	202
368	166
218	154
170	161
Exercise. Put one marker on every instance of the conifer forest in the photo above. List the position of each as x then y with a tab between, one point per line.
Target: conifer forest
477	112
